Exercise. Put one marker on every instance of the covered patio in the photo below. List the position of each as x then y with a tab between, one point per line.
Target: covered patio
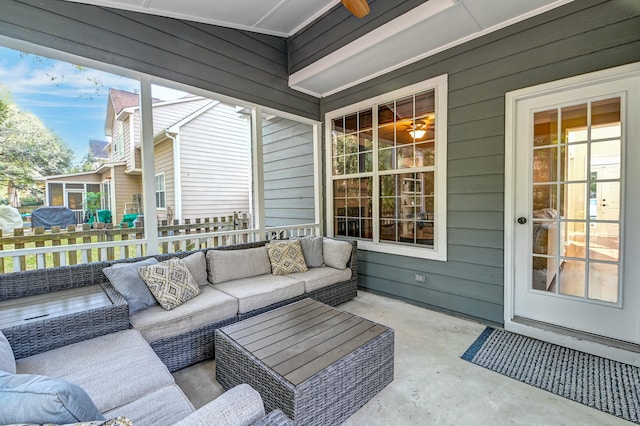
443	224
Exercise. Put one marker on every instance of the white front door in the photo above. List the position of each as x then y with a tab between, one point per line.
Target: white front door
576	208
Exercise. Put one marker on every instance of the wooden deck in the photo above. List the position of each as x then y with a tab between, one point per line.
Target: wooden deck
300	340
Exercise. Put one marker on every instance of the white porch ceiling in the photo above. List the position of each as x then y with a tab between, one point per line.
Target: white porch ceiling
432	27
276	17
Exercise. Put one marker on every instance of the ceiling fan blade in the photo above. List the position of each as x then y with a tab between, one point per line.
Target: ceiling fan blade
359	8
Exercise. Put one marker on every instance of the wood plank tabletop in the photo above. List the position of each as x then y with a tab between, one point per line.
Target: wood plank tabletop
50	305
301	339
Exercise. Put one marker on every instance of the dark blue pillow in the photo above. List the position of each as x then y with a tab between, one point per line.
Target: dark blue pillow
28	398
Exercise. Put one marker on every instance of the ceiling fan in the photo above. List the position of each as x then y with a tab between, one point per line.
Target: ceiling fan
359	8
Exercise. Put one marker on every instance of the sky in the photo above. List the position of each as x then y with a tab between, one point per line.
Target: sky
69	101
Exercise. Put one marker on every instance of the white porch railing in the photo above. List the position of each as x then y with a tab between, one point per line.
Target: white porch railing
39	257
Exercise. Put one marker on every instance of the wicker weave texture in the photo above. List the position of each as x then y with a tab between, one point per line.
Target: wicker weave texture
275	418
327	398
189	348
44	335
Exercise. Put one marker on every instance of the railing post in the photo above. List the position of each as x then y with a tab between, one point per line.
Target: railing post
55	241
19	232
87	255
109	237
164	233
176	244
71	241
124	236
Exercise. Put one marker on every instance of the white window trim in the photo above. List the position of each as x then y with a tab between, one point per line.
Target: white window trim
439	251
164	190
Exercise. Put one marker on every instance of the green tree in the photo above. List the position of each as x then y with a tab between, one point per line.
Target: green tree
28	150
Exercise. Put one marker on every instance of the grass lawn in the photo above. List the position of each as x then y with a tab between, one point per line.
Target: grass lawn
96	255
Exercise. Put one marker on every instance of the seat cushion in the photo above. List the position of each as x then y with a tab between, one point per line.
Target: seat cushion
316	278
227	265
122	361
258	292
165	406
210	306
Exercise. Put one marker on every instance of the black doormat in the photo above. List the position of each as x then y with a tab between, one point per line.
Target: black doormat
604	384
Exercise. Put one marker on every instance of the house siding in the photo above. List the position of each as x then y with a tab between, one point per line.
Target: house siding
248	66
288	172
215	163
123	186
165	116
580	37
164	164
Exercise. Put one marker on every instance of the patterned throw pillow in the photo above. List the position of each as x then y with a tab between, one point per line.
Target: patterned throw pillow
286	257
170	282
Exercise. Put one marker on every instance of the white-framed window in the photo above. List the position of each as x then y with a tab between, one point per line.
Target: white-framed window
106	194
386	171
161	202
118	140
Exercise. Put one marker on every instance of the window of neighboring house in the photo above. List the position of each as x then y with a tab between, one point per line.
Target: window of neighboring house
105	197
56	194
160	192
118	140
387	178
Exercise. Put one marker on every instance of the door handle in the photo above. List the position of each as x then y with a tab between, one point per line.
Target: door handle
522	220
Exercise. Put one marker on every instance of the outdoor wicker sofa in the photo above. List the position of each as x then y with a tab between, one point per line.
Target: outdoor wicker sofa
179	350
116	376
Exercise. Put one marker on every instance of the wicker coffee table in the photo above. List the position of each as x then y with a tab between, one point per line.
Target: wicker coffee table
314	362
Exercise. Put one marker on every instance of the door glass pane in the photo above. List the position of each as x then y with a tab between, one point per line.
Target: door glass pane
576	200
604	242
601	285
573	117
545	130
544	165
572	280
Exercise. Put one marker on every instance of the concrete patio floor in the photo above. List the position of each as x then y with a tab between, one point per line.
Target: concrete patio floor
432	385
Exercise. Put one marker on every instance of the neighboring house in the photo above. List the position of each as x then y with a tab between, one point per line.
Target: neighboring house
202	161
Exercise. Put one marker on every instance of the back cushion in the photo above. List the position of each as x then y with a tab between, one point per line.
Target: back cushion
197	266
227	265
336	253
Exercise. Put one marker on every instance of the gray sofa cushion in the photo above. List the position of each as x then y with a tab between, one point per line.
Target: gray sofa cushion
258	292
197	266
163	407
122	361
32	398
336	253
227	265
312	251
7	360
125	278
211	306
316	278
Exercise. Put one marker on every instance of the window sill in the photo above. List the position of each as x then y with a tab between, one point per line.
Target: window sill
407	251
